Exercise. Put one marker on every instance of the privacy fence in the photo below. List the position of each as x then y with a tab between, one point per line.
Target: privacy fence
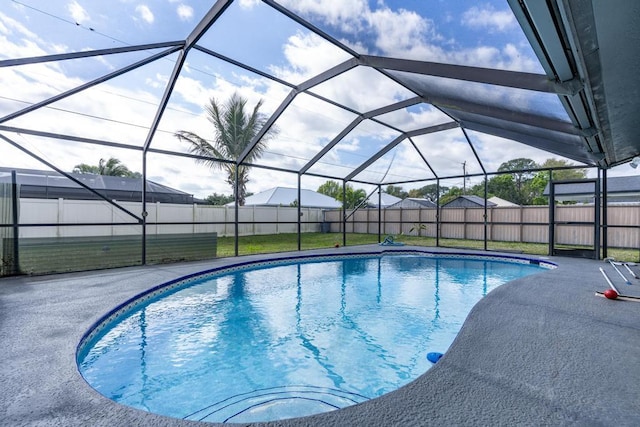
524	224
70	235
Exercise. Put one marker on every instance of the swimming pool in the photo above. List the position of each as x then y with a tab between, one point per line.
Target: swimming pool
286	338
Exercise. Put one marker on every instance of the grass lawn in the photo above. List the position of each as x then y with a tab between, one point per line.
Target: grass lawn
289	242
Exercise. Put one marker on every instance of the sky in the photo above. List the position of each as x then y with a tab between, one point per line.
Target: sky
121	110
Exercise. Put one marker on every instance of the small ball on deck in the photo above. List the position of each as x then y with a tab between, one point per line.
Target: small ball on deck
434	357
610	294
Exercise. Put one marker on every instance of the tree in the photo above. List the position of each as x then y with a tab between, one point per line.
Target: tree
397	191
563	174
110	167
503	186
429	191
234	129
451	194
519	167
331	189
541	179
218	199
522	175
353	197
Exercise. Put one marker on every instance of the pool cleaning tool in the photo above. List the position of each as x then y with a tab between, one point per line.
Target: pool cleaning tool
618	271
609	281
630	270
620	297
626	265
390	241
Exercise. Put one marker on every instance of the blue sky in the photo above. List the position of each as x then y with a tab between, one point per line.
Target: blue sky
462	32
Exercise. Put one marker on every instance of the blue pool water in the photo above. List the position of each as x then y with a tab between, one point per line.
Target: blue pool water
289	339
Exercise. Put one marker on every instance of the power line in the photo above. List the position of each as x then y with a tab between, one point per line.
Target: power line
77	24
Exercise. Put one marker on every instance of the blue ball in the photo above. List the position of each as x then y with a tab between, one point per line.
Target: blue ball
434	357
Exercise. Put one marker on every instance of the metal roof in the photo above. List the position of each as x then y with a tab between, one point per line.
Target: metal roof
584	107
468	200
281	196
617	186
386	200
501	202
51	185
412	202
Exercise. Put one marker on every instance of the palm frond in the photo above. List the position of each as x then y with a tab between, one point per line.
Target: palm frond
201	147
234	131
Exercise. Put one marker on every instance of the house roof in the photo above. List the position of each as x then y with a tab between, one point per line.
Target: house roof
386	200
616	186
50	184
285	196
413	201
472	199
501	202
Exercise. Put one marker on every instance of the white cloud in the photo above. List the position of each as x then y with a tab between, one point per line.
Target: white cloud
488	18
185	12
406	34
308	55
403	31
145	13
17	40
346	15
249	4
78	13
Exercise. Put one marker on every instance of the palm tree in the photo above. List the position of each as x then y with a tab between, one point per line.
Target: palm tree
234	129
110	167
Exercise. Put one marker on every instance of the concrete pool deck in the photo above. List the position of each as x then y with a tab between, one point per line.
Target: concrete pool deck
541	350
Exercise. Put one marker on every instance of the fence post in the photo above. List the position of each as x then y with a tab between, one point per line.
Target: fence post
60	215
194	218
464	223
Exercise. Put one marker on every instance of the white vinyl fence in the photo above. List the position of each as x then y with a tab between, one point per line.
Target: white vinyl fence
273	220
528	224
75	235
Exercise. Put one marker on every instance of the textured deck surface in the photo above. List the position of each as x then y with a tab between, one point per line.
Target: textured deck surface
541	350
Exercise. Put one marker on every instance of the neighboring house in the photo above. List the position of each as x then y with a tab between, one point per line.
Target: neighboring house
39	184
469	201
620	189
501	202
285	196
386	200
413	203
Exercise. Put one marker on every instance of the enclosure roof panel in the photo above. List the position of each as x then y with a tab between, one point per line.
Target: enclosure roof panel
558	76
